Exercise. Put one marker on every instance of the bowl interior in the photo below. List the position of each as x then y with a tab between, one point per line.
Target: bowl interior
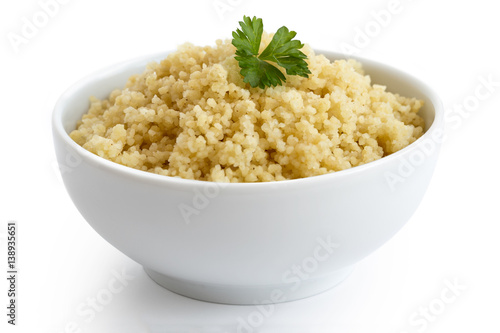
75	101
103	82
401	83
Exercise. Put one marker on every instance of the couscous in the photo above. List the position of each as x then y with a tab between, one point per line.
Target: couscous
192	116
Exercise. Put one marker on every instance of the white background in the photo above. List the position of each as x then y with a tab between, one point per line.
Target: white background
454	235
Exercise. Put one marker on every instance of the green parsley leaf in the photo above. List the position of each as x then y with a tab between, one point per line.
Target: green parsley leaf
282	50
247	40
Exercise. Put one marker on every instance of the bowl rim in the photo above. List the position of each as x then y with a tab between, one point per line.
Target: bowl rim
148	177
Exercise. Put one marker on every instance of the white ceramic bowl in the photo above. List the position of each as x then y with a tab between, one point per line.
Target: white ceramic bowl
248	242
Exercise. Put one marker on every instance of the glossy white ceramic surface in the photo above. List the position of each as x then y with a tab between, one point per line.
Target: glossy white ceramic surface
250	242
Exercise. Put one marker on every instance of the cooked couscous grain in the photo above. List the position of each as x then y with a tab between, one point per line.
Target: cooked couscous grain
192	116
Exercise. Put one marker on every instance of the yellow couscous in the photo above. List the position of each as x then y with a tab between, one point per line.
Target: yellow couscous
192	116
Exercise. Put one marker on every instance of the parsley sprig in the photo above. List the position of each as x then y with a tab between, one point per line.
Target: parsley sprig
283	50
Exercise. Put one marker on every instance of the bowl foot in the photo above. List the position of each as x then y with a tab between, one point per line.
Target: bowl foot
250	295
